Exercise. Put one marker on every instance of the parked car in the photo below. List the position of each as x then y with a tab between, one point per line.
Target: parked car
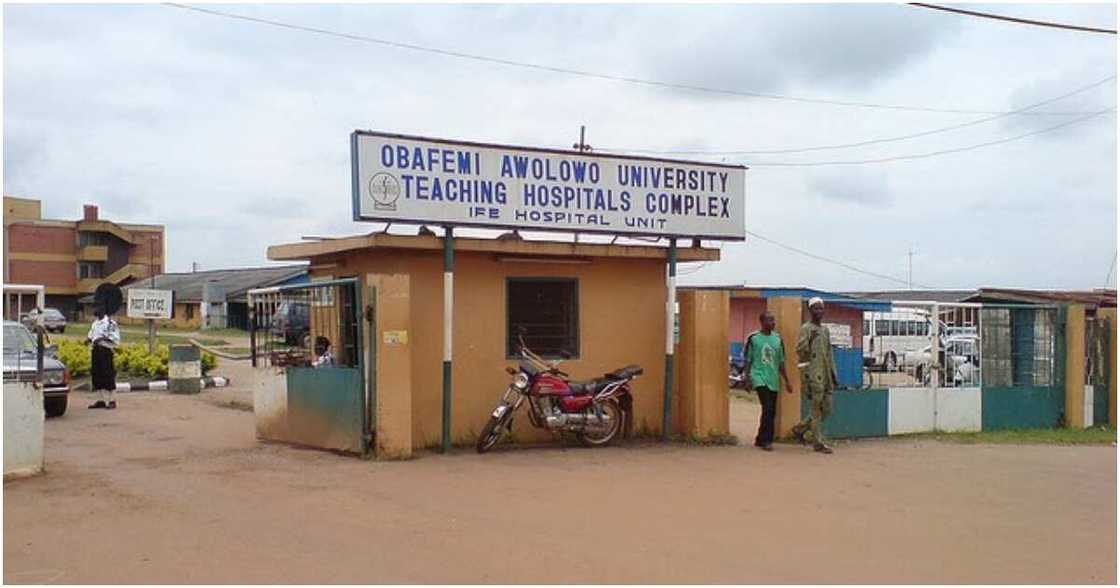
959	357
53	319
20	359
292	322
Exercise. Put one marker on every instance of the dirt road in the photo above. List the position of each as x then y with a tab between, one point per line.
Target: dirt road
172	489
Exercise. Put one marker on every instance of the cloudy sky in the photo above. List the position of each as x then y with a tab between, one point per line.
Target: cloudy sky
235	134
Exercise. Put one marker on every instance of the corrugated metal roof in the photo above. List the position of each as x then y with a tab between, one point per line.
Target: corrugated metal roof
910	295
235	282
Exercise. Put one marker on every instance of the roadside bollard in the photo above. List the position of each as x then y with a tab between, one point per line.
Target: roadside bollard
184	369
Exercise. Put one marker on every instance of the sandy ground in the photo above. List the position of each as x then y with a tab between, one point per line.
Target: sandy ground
171	489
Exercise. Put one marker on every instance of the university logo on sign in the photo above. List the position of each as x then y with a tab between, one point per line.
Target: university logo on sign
384	190
398	178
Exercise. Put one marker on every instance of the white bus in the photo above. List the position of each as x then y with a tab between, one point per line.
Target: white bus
888	336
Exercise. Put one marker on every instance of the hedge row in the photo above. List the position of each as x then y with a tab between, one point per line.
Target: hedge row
130	359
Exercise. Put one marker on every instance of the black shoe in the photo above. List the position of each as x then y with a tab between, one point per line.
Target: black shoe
112	404
822	448
98	404
767	447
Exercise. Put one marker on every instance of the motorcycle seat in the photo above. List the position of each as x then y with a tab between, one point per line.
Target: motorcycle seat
625	373
588	387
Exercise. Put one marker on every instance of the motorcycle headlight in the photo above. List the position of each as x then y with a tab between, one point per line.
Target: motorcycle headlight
54	378
521	381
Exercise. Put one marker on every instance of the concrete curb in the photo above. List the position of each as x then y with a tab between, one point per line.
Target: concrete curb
156	385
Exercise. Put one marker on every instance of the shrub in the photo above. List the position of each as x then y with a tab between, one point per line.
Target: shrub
75	356
131	359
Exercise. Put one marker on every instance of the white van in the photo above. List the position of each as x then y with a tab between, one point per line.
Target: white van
888	336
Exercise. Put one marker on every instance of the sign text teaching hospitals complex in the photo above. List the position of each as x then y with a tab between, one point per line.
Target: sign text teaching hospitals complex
399	178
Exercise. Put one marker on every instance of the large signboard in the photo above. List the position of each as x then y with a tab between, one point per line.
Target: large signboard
398	178
149	304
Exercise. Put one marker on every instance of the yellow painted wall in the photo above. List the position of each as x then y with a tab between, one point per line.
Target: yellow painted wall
704	403
393	338
22	208
1075	366
621	321
787	312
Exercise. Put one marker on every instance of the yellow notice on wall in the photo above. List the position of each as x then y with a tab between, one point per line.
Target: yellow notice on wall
395	337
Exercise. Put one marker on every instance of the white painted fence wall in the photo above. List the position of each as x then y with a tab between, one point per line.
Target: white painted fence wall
921	410
23	429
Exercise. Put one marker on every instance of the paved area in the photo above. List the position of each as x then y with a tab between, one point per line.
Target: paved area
171	489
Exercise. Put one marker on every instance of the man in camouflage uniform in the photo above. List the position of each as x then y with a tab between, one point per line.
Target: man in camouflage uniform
818	376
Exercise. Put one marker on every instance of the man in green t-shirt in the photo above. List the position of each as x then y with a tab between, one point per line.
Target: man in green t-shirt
765	358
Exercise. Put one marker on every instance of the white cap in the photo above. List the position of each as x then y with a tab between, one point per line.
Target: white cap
815	300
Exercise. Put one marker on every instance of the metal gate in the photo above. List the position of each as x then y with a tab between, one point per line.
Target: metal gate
1097	334
307	346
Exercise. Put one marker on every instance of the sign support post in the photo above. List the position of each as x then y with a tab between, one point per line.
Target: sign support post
448	321
670	331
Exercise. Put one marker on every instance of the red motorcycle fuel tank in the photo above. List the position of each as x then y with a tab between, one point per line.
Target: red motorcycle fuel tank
550	385
575	403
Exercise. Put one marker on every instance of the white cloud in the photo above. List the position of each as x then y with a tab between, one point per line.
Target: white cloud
234	134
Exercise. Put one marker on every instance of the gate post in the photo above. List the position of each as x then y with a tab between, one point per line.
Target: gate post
1075	366
787	315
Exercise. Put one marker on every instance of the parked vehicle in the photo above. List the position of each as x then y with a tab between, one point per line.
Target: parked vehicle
595	410
21	364
736	372
53	319
887	336
292	323
959	355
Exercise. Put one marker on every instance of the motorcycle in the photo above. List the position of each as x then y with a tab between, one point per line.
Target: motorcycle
736	376
595	410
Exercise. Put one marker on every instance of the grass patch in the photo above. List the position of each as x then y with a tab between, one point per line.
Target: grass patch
1090	436
236	350
211	342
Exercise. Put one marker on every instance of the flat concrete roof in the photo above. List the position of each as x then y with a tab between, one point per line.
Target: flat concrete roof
312	249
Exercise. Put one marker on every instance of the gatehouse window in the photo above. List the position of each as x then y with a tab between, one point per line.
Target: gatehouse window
547	311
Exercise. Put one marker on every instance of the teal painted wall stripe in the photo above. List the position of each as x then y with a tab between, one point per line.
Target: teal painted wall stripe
1022	407
1100	404
855	413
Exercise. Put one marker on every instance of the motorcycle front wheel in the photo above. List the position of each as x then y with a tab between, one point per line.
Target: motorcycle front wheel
600	437
492	432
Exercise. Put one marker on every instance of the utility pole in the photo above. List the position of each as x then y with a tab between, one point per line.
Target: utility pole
582	147
910	256
152	274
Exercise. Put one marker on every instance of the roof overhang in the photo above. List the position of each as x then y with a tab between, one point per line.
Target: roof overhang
506	247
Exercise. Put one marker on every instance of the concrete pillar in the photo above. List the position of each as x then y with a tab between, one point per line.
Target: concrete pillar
704	405
390	380
1075	366
1110	315
787	313
184	369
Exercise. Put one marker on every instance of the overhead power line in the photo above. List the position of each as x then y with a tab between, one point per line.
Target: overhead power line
930	153
1111	268
1037	23
591	74
867	142
834	261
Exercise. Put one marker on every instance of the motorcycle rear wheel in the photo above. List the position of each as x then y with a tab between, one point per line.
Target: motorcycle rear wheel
604	437
491	433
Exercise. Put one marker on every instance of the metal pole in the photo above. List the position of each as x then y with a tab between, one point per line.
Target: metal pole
448	321
151	272
670	322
